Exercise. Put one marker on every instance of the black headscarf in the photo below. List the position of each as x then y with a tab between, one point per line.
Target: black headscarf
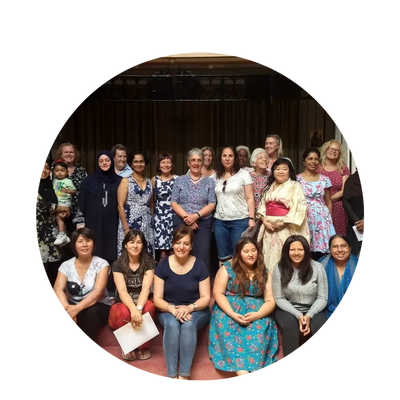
46	188
101	181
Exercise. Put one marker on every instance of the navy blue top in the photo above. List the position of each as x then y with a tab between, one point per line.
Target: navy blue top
181	289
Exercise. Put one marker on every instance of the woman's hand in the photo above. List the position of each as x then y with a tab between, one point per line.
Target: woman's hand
194	226
72	311
190	219
278	226
251	317
183	313
136	318
304	324
360	225
251	224
240	319
268	226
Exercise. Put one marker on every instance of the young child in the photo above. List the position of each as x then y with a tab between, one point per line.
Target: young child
64	189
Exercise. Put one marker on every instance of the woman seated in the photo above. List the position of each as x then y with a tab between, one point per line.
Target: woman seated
133	276
182	295
301	292
243	306
340	266
81	284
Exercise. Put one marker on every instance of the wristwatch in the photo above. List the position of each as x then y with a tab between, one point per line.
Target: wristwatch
140	308
194	306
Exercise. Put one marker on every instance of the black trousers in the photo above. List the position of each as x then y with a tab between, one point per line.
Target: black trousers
288	324
92	318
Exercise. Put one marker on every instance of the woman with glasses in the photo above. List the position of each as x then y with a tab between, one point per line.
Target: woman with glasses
81	284
235	202
193	201
135	196
333	165
340	266
300	290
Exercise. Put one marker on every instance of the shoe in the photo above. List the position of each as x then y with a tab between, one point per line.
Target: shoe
144	354
130	356
59	238
65	241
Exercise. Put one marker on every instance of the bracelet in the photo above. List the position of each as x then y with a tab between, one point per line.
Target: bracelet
252	218
198	214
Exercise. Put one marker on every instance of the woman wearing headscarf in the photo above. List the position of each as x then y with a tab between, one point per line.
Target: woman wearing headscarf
98	207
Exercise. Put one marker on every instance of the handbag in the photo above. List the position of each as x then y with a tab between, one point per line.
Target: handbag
253	234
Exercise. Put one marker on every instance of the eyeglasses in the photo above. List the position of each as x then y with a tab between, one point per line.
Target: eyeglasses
223	186
138	162
333	150
340	246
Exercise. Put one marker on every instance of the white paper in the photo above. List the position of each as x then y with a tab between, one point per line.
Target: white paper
130	339
358	233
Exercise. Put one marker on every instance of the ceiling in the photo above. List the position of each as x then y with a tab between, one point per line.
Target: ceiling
200	64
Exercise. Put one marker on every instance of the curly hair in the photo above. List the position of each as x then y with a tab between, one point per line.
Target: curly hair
341	161
242	276
77	153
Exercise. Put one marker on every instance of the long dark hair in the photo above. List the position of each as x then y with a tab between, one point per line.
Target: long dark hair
218	164
242	276
285	263
145	260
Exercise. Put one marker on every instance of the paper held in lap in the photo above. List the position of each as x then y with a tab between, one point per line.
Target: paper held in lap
130	339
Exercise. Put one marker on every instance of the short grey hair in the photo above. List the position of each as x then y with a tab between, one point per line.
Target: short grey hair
256	152
194	152
238	148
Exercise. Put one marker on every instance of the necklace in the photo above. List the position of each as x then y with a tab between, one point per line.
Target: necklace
137	179
181	266
195	180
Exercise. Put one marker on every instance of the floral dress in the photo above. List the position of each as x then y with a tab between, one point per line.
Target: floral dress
320	222
234	347
138	214
77	178
46	227
163	213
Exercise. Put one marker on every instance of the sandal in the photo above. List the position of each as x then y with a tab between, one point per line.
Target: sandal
144	354
130	356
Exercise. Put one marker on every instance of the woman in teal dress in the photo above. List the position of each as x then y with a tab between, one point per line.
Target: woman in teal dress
243	335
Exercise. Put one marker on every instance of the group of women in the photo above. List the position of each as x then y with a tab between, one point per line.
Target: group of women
271	282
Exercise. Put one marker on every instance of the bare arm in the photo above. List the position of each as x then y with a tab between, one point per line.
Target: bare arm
328	200
59	287
269	302
158	297
338	195
122	195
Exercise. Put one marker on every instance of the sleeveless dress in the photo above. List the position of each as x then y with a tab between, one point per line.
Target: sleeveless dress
319	219
163	213
234	347
138	214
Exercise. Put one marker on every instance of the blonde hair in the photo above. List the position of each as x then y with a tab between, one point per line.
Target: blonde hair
279	143
77	153
341	161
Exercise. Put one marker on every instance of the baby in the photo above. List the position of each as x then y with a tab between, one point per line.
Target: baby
64	189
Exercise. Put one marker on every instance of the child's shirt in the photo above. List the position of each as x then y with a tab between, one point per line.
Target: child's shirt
59	184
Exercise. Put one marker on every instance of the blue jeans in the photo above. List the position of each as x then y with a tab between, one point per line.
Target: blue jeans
227	234
180	339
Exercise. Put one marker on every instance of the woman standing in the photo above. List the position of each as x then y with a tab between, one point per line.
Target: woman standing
81	284
283	211
182	295
162	188
133	275
46	225
301	292
244	157
319	205
235	202
333	165
340	266
193	201
135	195
208	162
243	306
69	152
260	175
98	206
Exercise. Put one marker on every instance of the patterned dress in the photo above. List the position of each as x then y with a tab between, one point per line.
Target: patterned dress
319	219
138	213
234	347
46	227
163	213
339	215
259	183
77	178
